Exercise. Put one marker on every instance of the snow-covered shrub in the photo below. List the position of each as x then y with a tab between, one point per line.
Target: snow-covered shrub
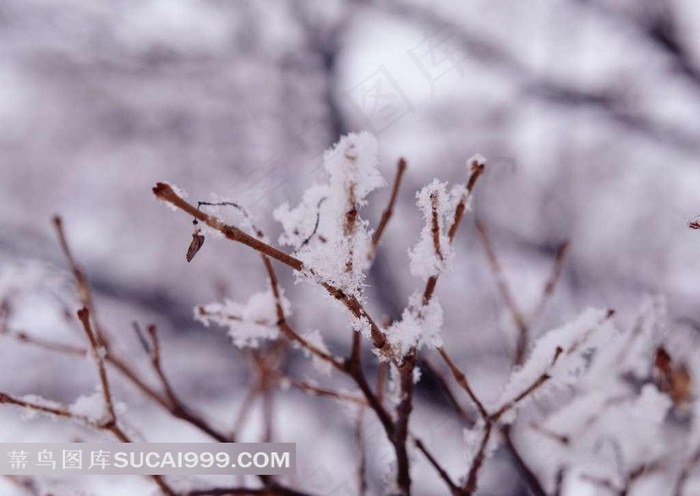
587	408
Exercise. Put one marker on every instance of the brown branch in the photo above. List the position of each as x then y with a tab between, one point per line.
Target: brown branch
403	413
447	390
165	192
388	212
477	168
98	353
83	286
552	280
25	338
57	411
560	438
462	381
454	488
470	485
528	391
243	413
435	226
349	225
317	390
63	412
506	295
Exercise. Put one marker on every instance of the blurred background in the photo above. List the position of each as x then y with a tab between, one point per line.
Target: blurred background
587	111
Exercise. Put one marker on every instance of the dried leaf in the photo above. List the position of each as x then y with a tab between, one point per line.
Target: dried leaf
195	245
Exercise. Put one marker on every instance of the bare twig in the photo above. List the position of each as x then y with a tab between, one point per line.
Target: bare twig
552	280
479	458
506	295
388	212
447	390
454	488
98	354
462	381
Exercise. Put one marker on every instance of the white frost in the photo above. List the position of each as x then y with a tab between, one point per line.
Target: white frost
91	406
248	322
419	326
324	229
425	257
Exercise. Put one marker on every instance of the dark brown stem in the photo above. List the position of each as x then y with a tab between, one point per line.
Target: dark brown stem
403	414
473	475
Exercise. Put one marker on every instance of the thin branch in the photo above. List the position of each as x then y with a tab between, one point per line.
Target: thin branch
389	211
98	353
25	338
462	381
403	413
537	383
454	488
243	413
447	390
552	280
83	286
477	169
506	295
473	475
320	391
56	411
166	193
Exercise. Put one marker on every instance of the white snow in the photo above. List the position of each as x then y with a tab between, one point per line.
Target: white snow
249	322
426	259
419	326
91	406
333	248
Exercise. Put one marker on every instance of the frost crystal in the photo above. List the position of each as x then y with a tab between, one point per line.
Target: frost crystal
248	322
91	406
432	253
419	325
325	229
560	353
